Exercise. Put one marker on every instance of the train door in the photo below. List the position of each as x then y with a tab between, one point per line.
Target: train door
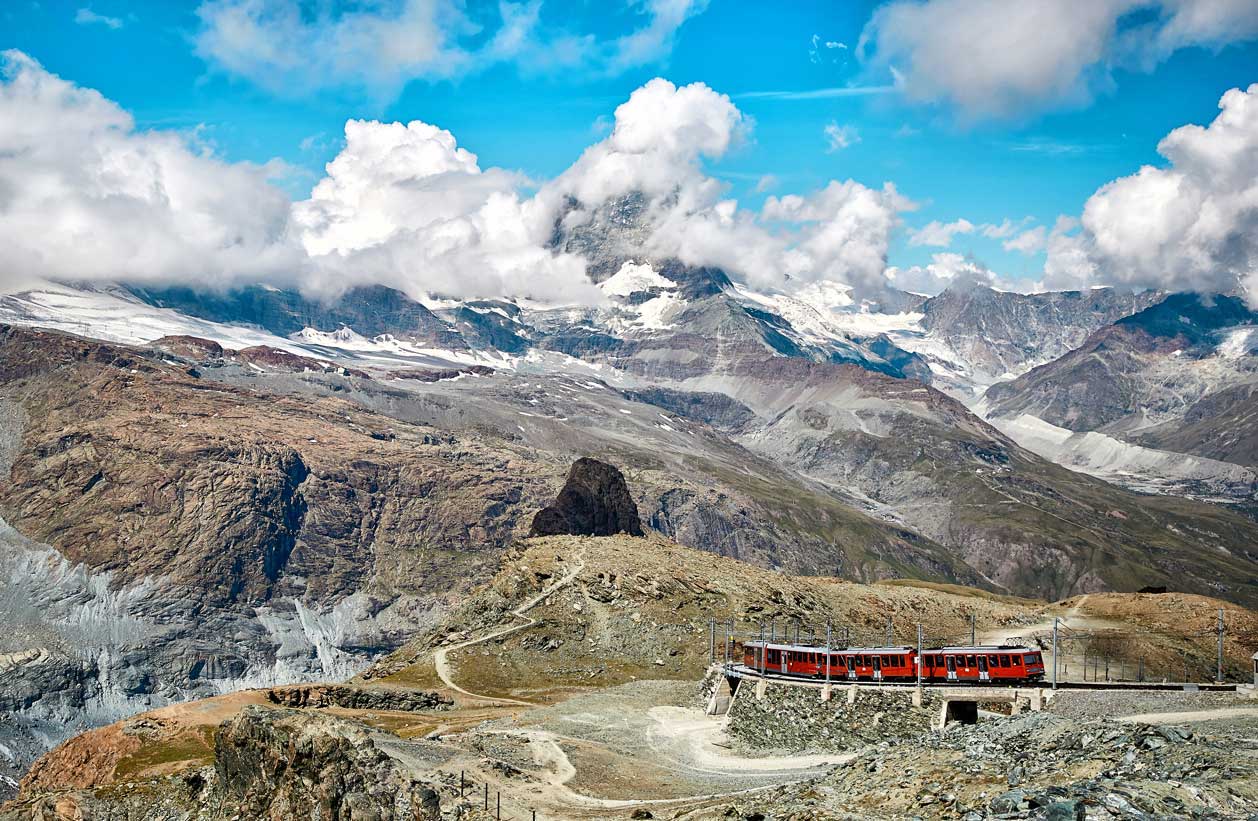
785	661
951	663
851	667
877	668
983	673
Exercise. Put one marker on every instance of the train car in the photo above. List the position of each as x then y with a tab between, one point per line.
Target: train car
877	663
851	664
976	665
982	664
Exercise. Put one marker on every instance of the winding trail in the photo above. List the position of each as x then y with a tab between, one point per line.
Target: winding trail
441	659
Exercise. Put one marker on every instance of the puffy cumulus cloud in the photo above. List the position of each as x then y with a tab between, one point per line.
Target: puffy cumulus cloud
940	233
945	270
840	233
657	141
85	195
1040	53
378	46
405	206
1192	225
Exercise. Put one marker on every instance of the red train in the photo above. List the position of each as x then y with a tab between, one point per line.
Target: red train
978	665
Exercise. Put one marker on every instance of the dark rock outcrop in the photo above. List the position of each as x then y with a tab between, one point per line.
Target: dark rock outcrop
279	764
595	501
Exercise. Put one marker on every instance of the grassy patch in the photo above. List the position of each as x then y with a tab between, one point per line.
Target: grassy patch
193	748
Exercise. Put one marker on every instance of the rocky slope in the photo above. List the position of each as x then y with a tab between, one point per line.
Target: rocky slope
1148	369
1001	332
178	527
642	607
923	460
259	763
586	737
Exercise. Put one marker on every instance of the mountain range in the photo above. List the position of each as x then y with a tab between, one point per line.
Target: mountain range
209	489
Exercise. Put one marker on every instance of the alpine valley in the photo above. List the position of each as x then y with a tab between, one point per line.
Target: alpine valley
208	490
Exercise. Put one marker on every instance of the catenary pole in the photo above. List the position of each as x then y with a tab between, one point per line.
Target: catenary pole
1055	620
1218	676
827	651
919	654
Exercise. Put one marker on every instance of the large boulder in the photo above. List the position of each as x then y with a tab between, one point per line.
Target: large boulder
595	501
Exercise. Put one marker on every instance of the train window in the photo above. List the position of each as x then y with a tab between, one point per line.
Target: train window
969	661
1004	660
991	660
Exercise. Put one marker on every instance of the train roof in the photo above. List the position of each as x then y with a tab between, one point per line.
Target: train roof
821	648
897	648
984	648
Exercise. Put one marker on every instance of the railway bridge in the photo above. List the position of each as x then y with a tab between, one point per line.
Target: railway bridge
958	701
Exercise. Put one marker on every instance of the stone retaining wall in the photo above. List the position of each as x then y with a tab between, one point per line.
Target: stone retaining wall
782	717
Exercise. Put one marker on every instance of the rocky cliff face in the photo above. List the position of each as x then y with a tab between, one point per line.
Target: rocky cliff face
263	763
594	501
1149	368
1001	332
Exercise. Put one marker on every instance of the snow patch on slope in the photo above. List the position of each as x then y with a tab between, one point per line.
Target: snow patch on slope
632	278
1138	468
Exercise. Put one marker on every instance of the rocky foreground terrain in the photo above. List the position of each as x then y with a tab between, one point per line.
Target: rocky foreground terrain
569	686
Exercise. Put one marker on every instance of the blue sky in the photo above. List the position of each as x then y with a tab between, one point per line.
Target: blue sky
1036	163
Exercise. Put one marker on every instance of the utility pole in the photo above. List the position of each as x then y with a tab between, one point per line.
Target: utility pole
919	654
1219	669
890	632
1055	620
764	650
827	653
711	641
973	629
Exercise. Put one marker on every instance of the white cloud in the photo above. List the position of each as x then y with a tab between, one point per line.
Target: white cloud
767	182
1006	228
87	17
839	137
993	58
84	195
940	233
1192	225
659	136
944	270
1031	241
378	46
840	233
405	206
817	48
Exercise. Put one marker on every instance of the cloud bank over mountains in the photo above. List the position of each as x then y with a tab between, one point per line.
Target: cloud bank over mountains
85	195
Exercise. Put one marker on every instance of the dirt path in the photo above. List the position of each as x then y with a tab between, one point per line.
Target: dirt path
1192	716
441	657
